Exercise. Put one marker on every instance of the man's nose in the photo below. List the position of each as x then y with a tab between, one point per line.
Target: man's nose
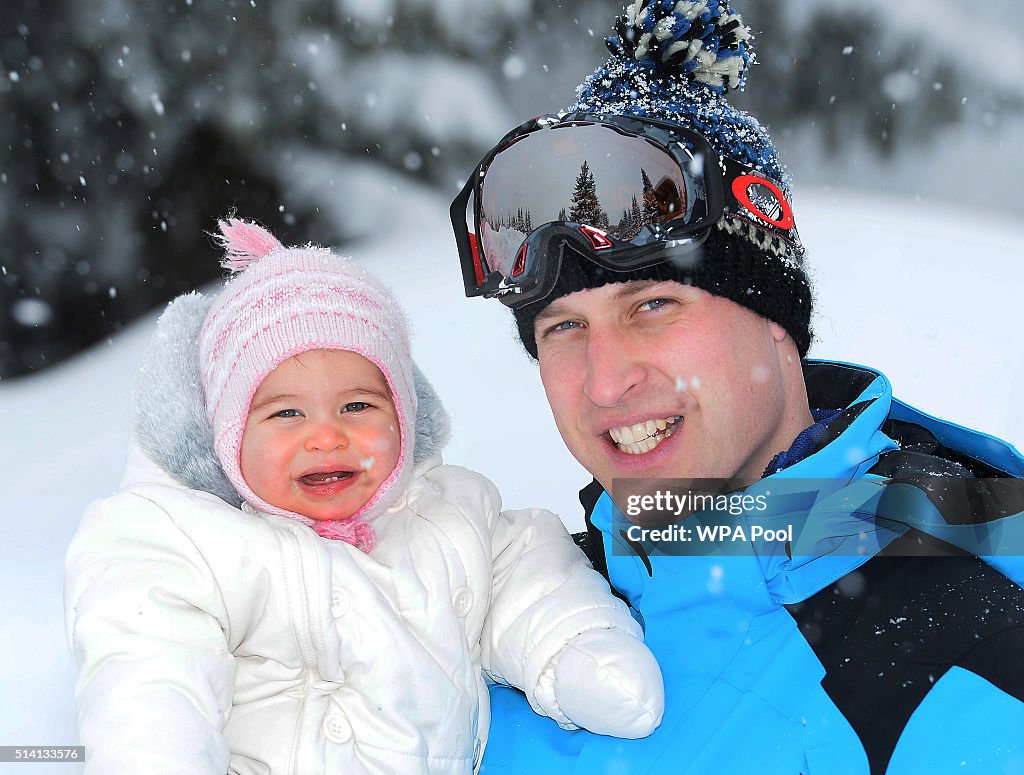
612	368
326	436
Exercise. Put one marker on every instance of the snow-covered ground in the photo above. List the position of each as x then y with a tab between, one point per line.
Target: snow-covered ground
928	296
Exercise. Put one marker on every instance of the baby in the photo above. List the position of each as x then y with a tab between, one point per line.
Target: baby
291	581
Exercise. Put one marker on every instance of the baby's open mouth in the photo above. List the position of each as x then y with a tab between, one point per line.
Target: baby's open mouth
325	477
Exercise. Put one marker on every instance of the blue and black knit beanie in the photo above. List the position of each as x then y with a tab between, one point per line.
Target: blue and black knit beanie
675	61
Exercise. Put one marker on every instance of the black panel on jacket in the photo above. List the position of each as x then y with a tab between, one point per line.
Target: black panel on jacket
889	630
833	385
964	490
917	439
591	542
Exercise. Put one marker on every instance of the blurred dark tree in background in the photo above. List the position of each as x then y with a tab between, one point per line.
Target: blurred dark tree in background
129	126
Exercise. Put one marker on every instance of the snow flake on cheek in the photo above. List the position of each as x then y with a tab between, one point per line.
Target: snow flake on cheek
760	374
383	443
683	384
367	463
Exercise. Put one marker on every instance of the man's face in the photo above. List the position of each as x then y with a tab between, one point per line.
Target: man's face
658	379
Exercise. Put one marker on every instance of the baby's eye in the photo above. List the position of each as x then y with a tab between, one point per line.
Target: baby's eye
355	406
287	413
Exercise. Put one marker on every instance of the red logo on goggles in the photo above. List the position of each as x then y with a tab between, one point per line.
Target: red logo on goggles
764	199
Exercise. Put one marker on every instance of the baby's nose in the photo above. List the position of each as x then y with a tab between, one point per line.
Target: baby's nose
326	437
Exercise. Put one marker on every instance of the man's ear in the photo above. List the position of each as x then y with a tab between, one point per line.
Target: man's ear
778	332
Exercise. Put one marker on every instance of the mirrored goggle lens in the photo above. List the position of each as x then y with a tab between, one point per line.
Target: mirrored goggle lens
589	174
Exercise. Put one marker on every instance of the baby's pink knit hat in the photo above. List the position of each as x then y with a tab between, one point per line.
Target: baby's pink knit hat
284	301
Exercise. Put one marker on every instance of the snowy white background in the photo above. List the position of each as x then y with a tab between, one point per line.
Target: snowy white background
922	281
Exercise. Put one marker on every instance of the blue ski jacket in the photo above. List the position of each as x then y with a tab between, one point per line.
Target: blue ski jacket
887	637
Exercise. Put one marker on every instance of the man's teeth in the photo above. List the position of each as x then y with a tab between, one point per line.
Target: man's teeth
643	436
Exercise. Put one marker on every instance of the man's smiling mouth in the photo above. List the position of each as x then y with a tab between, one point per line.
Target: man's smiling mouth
644	436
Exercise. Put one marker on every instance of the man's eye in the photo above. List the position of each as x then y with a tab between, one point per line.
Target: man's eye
565	325
287	413
653	304
355	406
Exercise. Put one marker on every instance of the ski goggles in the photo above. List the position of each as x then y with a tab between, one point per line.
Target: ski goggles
622	191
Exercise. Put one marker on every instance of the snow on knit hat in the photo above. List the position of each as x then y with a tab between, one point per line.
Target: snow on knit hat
282	302
674	61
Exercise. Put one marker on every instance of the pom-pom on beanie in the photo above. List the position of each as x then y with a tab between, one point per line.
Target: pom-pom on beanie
675	61
284	301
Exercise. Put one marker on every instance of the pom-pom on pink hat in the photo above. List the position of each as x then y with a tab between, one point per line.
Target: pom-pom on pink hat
284	301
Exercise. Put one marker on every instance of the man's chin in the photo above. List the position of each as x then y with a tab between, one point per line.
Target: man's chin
666	459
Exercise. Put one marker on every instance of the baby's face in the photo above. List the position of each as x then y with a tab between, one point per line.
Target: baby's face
321	435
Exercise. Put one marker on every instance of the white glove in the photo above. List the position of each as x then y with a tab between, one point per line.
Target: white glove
608	682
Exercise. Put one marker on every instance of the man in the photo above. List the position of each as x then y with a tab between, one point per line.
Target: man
885	634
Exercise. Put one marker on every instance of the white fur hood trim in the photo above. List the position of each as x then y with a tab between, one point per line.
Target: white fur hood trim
170	423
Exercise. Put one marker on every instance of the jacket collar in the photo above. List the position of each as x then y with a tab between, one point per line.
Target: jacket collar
843	463
850	446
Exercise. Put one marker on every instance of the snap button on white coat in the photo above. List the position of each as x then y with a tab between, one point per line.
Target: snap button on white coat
398	505
337	729
462	600
340	602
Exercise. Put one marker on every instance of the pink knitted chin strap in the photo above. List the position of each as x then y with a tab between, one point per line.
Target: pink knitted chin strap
356	532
